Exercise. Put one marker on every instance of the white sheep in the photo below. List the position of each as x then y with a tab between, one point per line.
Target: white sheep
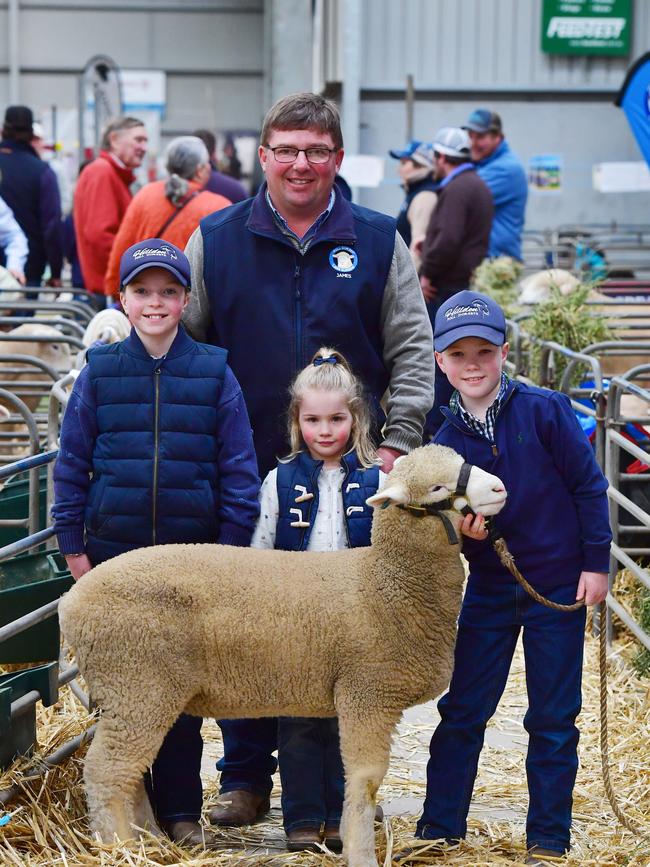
109	326
238	632
536	288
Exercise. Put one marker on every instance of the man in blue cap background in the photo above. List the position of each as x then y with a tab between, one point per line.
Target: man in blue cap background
505	176
416	165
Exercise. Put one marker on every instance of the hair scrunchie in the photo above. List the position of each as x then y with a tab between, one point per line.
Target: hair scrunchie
331	359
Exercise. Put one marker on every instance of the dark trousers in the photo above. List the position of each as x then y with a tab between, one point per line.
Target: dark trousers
174	783
490	621
247	761
311	771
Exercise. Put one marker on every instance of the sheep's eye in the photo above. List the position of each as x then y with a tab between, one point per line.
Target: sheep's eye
435	488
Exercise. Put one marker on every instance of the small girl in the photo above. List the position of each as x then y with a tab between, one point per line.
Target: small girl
315	500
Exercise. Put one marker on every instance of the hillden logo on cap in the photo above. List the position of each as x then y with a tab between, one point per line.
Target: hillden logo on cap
344	260
476	308
163	252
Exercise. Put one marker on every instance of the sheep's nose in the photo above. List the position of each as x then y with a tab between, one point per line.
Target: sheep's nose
499	489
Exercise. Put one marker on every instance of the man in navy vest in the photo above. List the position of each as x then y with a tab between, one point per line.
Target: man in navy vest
274	278
30	189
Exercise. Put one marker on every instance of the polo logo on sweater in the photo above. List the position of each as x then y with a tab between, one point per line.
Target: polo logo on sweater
344	260
476	308
163	252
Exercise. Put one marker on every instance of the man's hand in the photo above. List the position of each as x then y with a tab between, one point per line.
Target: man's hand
388	457
78	564
18	275
592	587
473	526
428	289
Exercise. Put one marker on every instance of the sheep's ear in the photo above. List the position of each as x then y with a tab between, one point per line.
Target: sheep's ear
395	494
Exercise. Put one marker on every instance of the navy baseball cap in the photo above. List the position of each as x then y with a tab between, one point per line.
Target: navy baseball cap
483	120
407	151
154	253
469	314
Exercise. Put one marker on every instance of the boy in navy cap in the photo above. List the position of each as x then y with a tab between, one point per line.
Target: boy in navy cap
556	525
156	448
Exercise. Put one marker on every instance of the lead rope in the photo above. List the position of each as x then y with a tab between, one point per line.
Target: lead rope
506	558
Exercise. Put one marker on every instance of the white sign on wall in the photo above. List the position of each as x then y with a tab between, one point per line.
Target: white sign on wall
144	90
623	177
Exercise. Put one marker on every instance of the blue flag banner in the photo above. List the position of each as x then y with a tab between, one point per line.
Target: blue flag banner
634	99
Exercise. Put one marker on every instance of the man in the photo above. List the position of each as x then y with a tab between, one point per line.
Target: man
270	284
29	188
416	172
457	237
219	183
506	178
102	197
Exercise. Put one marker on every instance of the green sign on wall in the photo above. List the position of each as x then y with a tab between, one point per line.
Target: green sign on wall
586	26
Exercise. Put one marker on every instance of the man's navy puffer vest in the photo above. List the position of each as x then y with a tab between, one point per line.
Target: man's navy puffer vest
403	225
300	477
272	306
155	461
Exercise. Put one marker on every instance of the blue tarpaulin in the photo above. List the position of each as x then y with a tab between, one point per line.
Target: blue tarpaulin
634	99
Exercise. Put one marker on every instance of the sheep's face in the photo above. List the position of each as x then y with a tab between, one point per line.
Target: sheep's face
430	475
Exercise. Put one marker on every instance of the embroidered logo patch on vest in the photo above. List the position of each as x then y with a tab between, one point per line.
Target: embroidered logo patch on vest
344	260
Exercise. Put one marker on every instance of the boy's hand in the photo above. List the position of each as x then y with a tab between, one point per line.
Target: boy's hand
592	587
473	526
78	564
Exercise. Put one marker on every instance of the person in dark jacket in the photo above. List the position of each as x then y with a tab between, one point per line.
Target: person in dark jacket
276	277
29	187
333	461
156	448
416	165
218	182
458	233
556	525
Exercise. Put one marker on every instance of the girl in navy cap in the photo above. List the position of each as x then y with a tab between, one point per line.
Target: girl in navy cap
556	525
156	448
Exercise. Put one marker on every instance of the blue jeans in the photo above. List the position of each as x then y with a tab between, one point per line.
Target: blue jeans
247	761
311	771
174	784
490	621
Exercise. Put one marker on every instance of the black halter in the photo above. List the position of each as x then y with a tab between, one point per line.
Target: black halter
438	509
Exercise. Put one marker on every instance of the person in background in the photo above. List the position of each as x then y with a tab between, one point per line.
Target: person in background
333	458
30	189
416	166
170	209
274	278
13	243
102	197
504	174
218	182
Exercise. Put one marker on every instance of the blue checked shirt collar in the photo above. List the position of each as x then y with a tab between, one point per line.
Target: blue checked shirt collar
301	244
482	428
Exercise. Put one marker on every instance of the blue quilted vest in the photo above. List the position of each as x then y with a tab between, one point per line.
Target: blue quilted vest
273	306
299	478
403	225
155	478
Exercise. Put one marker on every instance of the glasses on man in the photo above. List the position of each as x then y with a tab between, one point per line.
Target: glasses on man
316	155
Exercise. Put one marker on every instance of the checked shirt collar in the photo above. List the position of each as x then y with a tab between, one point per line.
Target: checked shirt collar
486	428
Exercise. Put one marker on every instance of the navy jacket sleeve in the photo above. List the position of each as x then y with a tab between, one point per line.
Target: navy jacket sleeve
239	481
574	458
50	213
74	466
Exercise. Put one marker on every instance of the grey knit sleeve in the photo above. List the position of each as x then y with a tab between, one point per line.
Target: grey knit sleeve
407	353
197	316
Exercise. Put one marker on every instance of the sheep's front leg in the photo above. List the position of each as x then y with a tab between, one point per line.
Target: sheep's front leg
365	749
143	813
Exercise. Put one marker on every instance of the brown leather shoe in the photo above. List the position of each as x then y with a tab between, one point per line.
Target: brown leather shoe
189	834
239	807
332	838
304	840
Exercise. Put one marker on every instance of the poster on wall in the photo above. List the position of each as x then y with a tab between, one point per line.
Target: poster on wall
545	173
586	27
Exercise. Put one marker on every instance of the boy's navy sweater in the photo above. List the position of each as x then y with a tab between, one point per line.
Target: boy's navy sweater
154	451
555	520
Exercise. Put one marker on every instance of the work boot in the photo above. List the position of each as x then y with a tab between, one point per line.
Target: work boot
304	839
188	834
239	807
421	850
540	857
332	838
379	813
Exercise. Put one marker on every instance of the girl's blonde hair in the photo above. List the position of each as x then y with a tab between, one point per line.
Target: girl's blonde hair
333	373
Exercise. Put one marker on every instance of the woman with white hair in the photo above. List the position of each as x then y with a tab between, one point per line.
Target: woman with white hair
170	209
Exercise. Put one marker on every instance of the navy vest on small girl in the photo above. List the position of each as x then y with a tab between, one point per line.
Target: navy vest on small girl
297	485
